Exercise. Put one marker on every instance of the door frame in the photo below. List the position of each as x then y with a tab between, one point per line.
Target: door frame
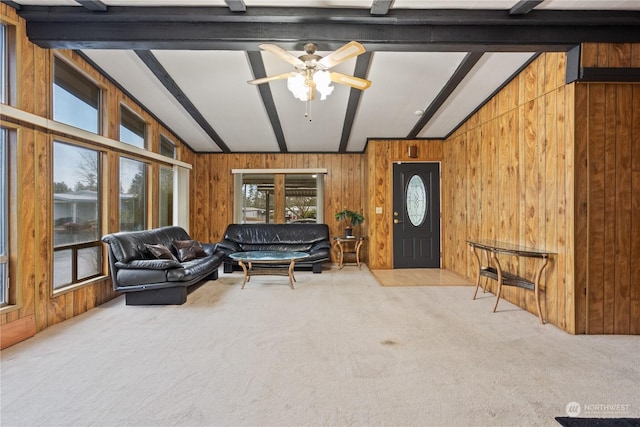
398	162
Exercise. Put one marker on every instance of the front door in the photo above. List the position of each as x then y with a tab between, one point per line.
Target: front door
416	215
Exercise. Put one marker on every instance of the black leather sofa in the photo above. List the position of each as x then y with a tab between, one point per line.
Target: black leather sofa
156	266
310	238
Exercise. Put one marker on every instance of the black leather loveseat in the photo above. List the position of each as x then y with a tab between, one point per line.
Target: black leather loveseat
310	238
156	266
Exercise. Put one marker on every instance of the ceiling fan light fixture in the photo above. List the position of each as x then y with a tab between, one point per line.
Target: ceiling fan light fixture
298	86
322	80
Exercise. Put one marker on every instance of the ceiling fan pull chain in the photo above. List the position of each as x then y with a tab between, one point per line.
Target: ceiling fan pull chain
307	112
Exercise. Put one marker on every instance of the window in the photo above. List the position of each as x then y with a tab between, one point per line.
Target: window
7	64
301	201
4	217
132	128
77	250
258	197
4	65
76	100
133	195
166	196
167	148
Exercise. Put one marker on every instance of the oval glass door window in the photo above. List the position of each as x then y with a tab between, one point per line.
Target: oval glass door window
416	200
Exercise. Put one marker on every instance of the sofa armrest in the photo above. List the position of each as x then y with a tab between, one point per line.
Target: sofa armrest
210	248
228	247
149	264
321	245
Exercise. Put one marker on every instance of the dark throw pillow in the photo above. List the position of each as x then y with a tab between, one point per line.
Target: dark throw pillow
160	251
189	249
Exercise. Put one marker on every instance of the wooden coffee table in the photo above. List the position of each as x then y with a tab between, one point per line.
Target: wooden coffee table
275	263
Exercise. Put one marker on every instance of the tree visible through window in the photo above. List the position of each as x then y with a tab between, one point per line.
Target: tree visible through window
133	195
76	214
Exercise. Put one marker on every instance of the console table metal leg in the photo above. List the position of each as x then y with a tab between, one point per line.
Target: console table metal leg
475	255
545	261
494	258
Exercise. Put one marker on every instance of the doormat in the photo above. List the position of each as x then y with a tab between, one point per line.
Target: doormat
420	277
598	422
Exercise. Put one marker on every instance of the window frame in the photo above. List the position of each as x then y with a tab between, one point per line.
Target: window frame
76	247
124	111
7	135
164	141
145	197
73	69
279	180
9	60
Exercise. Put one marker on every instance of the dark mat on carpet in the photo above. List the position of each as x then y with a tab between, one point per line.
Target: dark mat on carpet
598	422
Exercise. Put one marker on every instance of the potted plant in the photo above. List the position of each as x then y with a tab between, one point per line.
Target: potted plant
351	219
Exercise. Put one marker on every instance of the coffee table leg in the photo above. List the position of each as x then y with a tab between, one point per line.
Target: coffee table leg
291	277
246	273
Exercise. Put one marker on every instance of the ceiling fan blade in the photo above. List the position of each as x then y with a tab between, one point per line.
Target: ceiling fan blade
343	53
282	54
355	82
271	78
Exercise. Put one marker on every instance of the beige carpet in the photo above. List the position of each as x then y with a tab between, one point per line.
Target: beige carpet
339	350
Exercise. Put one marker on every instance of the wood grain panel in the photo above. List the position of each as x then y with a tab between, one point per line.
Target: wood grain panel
595	284
561	209
580	205
623	202
568	212
634	250
609	176
551	219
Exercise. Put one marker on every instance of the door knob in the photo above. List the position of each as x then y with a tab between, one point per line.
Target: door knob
396	221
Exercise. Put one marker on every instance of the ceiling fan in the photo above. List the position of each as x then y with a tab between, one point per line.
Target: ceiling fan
311	73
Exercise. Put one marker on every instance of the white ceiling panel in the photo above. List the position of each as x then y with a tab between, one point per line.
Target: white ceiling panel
322	130
401	84
491	71
130	72
216	83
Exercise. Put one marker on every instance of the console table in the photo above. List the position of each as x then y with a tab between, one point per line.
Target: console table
495	272
349	245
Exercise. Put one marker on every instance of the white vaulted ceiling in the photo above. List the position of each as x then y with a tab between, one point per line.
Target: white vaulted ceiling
198	87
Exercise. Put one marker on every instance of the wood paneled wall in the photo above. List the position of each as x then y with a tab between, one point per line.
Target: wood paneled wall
607	148
509	166
34	306
212	187
379	157
554	166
